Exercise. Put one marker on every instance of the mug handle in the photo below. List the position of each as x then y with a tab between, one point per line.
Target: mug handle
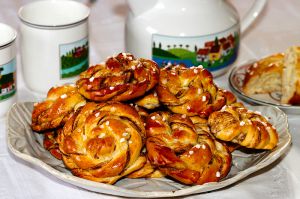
252	14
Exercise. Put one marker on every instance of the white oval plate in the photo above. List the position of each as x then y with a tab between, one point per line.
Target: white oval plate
28	145
236	80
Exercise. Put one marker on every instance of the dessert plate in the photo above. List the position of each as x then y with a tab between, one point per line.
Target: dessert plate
28	145
236	80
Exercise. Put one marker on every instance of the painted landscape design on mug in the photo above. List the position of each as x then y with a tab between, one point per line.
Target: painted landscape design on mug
212	52
74	58
7	80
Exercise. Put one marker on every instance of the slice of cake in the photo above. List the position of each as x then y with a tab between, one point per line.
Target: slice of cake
264	76
291	77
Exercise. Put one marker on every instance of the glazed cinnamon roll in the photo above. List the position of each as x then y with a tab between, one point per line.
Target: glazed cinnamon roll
103	142
174	146
57	108
239	125
120	78
191	91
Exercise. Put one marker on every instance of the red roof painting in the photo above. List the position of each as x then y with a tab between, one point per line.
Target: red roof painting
209	44
230	38
203	51
226	46
222	40
215	49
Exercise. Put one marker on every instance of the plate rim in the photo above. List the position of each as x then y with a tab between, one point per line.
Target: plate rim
247	98
192	190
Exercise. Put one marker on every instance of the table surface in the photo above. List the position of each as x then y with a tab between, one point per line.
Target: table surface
275	30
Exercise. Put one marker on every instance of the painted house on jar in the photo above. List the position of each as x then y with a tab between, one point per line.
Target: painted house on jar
226	47
214	50
215	53
230	39
203	54
6	88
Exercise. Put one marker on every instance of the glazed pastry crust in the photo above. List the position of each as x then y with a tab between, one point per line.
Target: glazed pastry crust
147	171
191	91
120	78
57	108
202	128
149	101
174	147
51	144
102	142
239	125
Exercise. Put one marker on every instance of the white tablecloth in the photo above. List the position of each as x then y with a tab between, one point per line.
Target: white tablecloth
277	29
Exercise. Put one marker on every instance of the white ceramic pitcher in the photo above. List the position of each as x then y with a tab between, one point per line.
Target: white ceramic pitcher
193	32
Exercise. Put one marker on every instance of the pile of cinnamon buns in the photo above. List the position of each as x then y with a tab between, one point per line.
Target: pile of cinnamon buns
128	118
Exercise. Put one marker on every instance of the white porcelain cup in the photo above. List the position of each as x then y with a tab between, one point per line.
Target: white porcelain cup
54	43
7	68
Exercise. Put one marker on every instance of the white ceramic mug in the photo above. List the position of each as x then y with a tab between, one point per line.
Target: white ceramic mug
54	43
7	68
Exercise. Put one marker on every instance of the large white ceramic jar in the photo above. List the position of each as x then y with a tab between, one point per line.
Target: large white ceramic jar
193	32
